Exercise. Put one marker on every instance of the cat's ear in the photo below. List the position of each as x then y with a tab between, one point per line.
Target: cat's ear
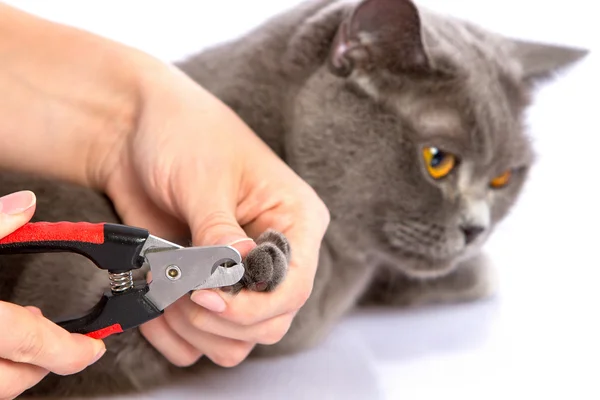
541	61
379	34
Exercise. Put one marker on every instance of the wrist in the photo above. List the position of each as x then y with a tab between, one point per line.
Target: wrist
149	94
69	98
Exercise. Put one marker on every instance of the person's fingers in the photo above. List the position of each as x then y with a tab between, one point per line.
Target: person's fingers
187	318
33	339
34	310
218	227
164	339
135	208
211	211
209	205
16	209
250	308
222	351
17	378
305	234
182	344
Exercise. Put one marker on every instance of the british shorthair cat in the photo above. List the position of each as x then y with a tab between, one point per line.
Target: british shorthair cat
410	126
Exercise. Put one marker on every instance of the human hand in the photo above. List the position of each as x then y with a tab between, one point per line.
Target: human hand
34	346
172	159
191	162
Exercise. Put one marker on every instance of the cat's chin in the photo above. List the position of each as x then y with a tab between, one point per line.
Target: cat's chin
419	267
425	269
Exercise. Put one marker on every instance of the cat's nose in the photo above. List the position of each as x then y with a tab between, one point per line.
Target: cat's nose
471	232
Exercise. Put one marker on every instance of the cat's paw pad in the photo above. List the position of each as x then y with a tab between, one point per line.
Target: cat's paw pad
266	265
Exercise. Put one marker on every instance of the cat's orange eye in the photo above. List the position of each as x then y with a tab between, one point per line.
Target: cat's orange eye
501	180
439	163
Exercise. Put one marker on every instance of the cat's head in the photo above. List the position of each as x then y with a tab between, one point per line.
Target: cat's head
412	127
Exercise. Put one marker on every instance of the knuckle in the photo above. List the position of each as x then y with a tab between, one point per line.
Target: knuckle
29	348
72	366
159	175
323	214
74	362
233	355
275	330
315	208
185	359
302	295
207	228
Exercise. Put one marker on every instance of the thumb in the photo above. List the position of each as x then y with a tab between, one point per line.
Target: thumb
16	209
220	227
35	340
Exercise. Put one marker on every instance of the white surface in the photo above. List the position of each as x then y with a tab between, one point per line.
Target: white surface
540	335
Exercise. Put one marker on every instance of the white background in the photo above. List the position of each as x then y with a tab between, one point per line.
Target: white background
539	336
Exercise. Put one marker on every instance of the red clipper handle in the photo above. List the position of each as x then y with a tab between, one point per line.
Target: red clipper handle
112	247
57	232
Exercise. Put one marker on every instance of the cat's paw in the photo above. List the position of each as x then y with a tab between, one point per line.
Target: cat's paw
266	265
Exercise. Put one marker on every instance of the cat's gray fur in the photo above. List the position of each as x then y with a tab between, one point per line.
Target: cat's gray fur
351	123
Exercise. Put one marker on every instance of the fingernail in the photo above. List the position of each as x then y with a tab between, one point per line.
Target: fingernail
99	355
16	203
209	300
241	244
239	241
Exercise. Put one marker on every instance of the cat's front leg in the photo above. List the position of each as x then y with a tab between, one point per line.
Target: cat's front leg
473	279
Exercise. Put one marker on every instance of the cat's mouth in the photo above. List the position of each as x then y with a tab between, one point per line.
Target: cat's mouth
425	250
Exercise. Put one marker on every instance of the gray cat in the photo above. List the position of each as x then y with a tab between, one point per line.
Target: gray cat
408	124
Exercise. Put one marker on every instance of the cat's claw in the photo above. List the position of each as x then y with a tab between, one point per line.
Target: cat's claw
266	265
260	286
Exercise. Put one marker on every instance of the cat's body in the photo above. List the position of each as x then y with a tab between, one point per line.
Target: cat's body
406	137
355	138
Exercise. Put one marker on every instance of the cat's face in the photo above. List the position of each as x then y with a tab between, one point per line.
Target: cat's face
414	134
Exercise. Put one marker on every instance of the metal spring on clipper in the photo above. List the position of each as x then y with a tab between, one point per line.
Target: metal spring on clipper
120	282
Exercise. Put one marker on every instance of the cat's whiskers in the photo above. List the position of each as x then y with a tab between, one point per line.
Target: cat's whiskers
428	240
